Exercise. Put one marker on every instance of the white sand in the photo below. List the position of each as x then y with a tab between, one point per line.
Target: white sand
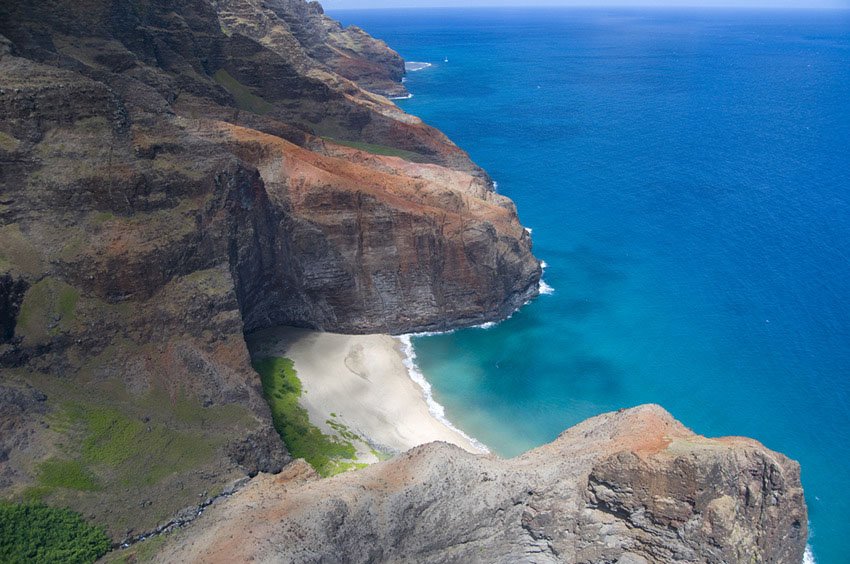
361	382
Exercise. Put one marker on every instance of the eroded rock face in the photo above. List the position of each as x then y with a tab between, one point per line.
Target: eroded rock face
627	487
174	173
377	244
349	52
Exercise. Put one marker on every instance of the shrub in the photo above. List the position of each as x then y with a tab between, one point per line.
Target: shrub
38	533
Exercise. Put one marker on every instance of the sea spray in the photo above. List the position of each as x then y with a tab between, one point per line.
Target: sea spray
436	409
543	288
808	556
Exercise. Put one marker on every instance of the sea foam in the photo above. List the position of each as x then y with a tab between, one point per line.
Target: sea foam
414	66
436	409
808	556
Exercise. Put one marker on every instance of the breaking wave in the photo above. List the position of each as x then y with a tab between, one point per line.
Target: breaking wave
436	409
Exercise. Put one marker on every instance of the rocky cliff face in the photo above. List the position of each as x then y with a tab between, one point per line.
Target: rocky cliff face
630	487
173	174
296	26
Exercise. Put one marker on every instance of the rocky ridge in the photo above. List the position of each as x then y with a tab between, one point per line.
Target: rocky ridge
631	487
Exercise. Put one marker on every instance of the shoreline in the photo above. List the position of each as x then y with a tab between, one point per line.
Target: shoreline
434	407
366	385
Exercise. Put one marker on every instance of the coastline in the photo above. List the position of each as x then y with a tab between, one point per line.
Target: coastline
434	407
368	384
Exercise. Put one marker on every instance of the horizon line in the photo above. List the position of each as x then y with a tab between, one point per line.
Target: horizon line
730	7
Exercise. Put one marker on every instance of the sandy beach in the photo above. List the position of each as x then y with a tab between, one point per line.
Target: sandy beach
360	381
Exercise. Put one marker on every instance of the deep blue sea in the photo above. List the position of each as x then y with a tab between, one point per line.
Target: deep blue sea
687	179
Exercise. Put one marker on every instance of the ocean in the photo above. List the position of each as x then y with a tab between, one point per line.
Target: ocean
686	175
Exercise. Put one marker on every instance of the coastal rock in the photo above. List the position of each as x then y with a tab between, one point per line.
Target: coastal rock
633	486
302	27
173	174
380	244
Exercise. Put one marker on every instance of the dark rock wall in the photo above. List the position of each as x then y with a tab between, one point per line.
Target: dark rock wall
11	295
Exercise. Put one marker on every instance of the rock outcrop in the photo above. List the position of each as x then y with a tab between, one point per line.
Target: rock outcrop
628	487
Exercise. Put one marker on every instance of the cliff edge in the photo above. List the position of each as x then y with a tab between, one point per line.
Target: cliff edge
630	487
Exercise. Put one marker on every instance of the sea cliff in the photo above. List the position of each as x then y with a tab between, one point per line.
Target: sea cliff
176	174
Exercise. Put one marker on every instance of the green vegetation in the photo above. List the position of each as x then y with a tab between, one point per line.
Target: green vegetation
282	388
343	431
145	453
245	99
70	474
37	533
48	309
17	251
103	217
382	456
380	150
341	467
128	452
74	244
67	302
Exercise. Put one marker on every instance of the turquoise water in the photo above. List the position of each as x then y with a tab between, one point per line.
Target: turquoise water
687	179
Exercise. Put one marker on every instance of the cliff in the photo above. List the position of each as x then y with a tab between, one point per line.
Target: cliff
631	487
174	174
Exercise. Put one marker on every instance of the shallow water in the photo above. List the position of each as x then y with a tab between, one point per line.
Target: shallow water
686	176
